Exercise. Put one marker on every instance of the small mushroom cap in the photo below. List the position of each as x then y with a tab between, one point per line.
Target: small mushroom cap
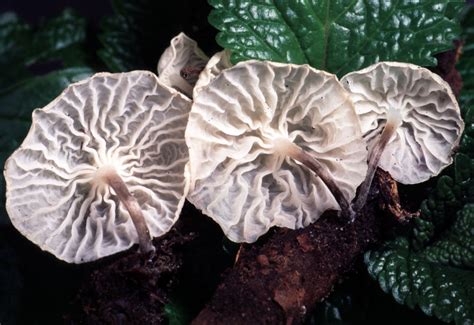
238	128
216	64
431	124
183	53
129	122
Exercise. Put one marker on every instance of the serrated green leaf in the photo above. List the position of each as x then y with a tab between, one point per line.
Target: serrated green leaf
456	246
441	254
466	64
466	68
338	36
449	195
438	289
17	104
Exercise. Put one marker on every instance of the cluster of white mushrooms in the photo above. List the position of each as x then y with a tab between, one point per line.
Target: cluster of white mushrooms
110	162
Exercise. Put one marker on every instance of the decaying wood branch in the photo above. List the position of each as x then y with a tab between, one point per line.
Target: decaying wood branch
280	279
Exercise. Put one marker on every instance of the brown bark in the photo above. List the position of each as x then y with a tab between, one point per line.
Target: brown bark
282	277
390	199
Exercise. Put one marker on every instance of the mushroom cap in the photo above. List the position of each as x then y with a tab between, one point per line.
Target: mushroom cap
431	121
237	126
216	64
126	121
183	52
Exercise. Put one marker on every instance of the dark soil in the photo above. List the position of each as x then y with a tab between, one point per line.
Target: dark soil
131	288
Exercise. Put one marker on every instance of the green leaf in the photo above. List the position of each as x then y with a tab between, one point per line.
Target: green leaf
466	68
14	36
338	36
456	245
22	47
450	194
466	64
17	104
129	37
120	51
439	289
435	270
176	314
57	39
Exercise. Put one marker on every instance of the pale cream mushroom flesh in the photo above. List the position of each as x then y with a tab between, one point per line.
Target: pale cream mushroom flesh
216	64
410	120
181	63
101	168
273	145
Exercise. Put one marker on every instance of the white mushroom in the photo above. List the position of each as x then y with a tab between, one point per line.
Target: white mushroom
216	64
410	120
101	168
258	133
181	63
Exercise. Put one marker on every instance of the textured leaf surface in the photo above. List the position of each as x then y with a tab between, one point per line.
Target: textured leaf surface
338	36
435	270
466	68
438	289
456	246
466	65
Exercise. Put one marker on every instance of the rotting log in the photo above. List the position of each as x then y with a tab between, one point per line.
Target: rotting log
281	278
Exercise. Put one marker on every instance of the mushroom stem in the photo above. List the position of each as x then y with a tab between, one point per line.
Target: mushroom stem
297	153
120	188
393	122
183	85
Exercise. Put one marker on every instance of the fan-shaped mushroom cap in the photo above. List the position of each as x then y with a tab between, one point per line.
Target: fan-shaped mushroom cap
182	53
128	122
216	64
431	123
238	134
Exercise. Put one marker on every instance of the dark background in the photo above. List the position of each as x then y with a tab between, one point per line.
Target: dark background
33	11
172	17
